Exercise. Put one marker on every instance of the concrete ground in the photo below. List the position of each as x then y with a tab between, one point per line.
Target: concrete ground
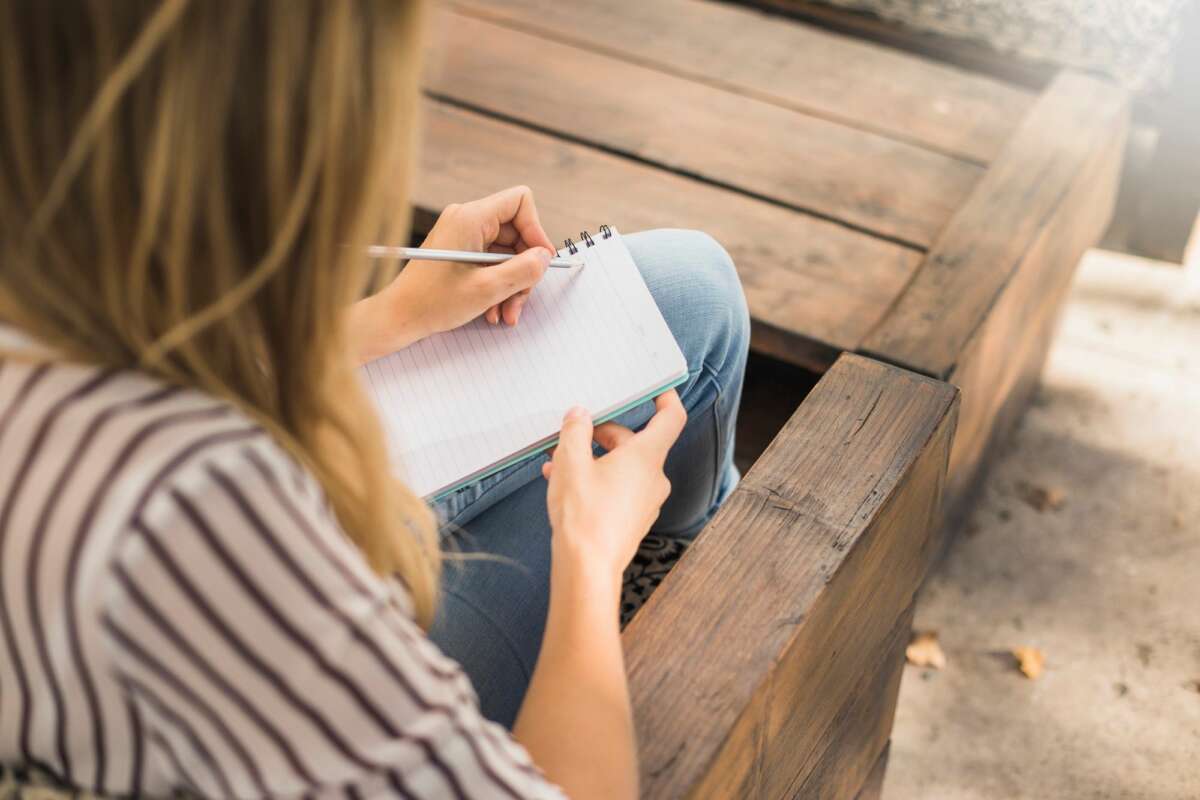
1107	586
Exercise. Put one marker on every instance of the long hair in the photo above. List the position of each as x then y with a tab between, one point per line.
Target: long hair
187	188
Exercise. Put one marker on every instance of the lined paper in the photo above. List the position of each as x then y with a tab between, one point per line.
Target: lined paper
459	405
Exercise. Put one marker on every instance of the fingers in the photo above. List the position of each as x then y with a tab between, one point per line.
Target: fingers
510	309
519	273
575	441
610	435
509	238
665	426
514	207
495	312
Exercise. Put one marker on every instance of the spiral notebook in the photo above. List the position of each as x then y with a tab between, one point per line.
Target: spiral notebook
462	405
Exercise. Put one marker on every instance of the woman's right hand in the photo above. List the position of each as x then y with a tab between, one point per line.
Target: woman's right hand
601	508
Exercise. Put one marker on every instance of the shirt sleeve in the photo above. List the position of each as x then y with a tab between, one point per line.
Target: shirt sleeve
264	658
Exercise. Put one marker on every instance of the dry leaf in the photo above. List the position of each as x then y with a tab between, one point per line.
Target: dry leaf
1042	498
1030	661
1144	651
924	651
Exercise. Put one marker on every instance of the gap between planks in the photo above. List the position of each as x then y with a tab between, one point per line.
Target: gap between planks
596	144
526	26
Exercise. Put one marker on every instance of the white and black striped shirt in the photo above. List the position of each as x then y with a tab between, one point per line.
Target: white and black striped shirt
181	611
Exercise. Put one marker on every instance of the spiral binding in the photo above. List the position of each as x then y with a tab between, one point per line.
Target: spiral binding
586	240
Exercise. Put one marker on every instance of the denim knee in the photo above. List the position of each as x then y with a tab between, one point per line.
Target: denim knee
696	286
715	285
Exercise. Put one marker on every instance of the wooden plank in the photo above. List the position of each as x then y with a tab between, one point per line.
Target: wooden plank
873	788
820	284
791	65
866	180
863	726
1001	362
1018	202
745	692
961	51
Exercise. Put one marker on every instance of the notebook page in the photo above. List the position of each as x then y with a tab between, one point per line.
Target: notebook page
461	403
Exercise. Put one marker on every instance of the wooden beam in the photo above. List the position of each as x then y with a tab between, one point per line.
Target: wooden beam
864	725
794	66
813	286
961	51
1001	362
805	163
1019	202
873	788
786	677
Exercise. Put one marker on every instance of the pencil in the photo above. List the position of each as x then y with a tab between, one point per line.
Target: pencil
463	256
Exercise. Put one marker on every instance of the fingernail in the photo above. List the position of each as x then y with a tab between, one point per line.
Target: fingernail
576	412
543	256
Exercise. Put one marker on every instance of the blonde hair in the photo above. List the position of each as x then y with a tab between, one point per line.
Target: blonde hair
186	189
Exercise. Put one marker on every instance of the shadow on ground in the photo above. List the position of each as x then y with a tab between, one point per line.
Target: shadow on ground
1107	585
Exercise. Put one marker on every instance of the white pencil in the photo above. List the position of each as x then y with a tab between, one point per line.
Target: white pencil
463	256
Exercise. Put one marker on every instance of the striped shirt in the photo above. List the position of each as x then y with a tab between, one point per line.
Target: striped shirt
180	611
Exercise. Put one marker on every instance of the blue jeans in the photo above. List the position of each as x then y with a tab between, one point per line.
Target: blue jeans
493	610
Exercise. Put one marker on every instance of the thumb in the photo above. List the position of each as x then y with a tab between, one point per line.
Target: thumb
517	274
575	441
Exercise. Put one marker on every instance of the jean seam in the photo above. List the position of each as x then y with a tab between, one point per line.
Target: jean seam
717	476
512	647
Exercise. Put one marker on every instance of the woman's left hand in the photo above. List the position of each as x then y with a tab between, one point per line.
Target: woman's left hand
428	297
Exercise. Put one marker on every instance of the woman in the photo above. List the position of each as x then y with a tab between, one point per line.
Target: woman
210	584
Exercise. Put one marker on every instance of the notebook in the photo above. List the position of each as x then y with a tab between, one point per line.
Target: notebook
462	405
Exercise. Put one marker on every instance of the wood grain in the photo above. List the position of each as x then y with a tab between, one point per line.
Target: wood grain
1000	364
864	724
873	788
791	65
805	163
820	283
784	679
1018	202
968	53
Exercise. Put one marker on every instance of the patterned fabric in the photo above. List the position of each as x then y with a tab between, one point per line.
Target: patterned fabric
180	610
1128	40
32	784
654	559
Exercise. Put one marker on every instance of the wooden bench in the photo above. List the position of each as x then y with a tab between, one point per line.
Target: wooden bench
1160	190
903	229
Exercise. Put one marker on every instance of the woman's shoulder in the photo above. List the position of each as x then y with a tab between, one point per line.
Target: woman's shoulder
120	455
102	427
88	450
